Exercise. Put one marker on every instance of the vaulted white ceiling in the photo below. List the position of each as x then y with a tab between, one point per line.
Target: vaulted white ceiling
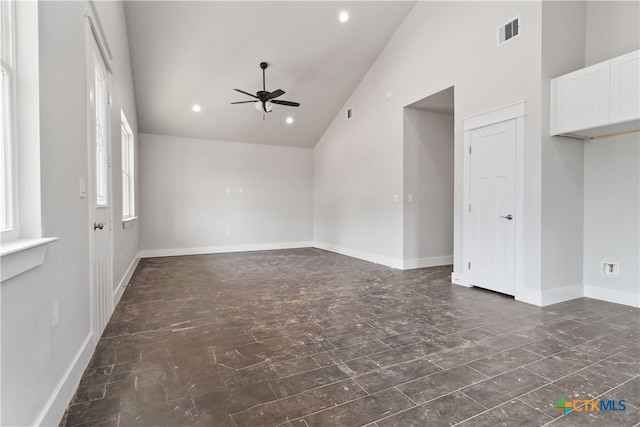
185	53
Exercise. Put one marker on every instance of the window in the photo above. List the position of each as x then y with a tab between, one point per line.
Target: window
23	246
8	191
128	170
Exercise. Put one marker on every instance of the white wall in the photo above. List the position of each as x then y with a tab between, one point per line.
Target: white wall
41	363
612	170
358	164
563	45
185	208
612	29
428	178
612	218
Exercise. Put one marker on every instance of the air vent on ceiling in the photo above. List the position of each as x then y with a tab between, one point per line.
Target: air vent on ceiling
508	31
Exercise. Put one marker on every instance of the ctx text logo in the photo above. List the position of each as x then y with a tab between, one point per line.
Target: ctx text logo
590	405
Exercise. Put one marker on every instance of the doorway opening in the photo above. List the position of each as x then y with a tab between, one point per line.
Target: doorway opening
428	175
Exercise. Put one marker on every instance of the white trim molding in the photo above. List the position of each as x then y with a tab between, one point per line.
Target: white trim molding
117	293
512	111
437	261
22	255
63	393
98	31
565	293
129	222
365	256
153	253
610	295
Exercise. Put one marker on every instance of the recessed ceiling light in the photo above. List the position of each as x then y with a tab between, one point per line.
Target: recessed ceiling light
196	108
343	17
289	120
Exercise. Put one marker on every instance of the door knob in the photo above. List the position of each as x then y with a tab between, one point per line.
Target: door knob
507	217
98	226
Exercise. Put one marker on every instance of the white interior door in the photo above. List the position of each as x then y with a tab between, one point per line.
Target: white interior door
492	207
99	184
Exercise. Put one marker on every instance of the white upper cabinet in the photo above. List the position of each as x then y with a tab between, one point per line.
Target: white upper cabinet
598	100
625	87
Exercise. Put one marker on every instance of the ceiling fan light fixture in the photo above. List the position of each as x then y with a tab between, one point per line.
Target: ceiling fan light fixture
268	106
196	108
343	17
262	100
289	120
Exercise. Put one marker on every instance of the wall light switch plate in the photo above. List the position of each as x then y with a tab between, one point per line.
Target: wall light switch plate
396	199
82	186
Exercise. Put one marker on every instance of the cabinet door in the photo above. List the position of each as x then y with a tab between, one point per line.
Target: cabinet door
583	98
625	87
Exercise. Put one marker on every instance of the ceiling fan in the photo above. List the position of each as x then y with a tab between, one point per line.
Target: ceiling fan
265	100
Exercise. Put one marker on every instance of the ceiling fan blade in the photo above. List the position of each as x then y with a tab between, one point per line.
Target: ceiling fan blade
246	93
275	94
287	103
243	102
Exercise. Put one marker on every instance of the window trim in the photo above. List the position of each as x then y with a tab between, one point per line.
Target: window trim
10	113
28	249
128	168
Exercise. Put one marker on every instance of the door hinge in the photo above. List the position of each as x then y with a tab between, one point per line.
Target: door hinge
469	207
109	99
469	265
109	162
469	150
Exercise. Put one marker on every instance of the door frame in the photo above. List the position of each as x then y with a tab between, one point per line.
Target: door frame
95	32
515	112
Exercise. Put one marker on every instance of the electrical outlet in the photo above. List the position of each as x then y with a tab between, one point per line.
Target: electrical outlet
610	269
228	190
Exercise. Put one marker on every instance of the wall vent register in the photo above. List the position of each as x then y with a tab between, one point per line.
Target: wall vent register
508	31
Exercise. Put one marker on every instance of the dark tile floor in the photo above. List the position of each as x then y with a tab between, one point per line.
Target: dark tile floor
309	338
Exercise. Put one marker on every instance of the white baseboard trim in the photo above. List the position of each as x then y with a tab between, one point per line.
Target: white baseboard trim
63	393
125	280
529	296
435	261
566	293
153	253
365	256
458	279
619	297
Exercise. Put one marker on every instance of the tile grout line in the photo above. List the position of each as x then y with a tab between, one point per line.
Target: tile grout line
395	387
474	400
301	392
545	385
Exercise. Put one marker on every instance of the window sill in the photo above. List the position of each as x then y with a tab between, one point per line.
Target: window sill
22	255
129	222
